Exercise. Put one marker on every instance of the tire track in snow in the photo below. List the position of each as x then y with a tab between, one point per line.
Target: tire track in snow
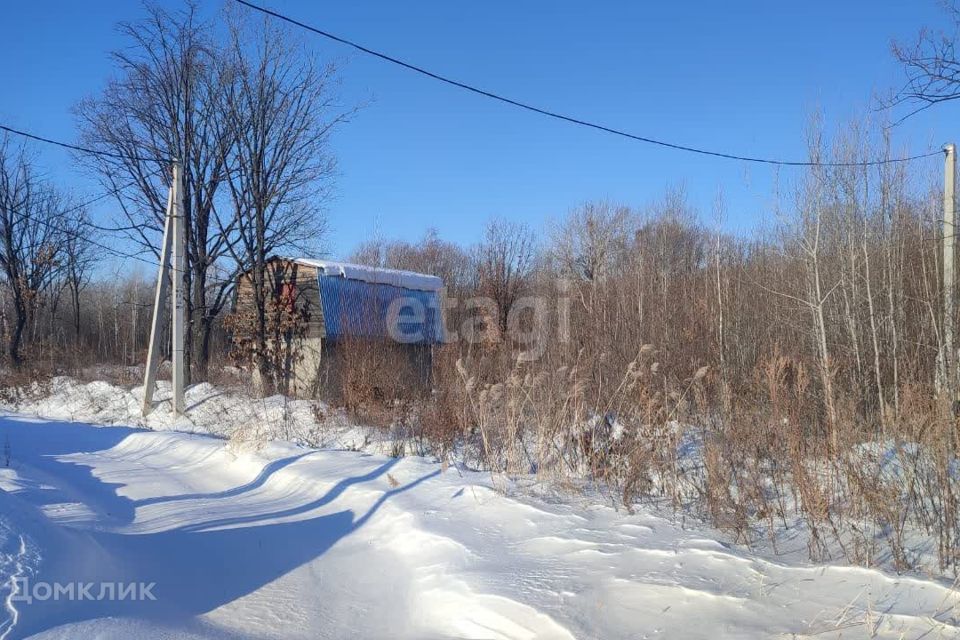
9	625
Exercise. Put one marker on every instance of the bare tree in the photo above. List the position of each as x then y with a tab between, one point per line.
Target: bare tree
932	67
431	254
505	262
592	241
31	238
166	102
811	240
79	259
281	110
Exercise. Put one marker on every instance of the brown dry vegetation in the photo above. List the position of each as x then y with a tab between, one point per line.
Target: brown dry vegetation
795	376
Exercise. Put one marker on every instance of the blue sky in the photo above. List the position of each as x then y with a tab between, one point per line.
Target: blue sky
741	77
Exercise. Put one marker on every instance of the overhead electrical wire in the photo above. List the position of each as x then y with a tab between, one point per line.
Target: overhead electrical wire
570	119
83	205
74	147
113	192
78	235
440	78
102	196
85	238
86	150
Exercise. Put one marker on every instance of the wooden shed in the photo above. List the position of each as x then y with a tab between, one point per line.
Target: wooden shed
358	316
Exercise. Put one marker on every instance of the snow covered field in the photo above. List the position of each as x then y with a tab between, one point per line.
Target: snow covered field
288	542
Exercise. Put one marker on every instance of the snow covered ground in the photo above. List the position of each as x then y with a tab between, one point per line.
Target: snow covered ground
287	542
210	410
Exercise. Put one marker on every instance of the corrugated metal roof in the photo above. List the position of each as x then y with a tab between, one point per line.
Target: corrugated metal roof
353	307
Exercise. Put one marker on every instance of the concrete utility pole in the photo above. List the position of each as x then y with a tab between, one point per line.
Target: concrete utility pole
949	222
179	290
171	270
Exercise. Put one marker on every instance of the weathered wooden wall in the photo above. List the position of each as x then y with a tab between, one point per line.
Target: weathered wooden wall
280	272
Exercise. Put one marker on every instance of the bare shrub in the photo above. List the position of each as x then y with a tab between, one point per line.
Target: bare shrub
286	326
377	380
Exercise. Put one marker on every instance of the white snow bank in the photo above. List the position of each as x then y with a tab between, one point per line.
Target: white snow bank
286	542
210	411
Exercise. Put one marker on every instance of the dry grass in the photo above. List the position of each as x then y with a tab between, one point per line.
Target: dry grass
754	471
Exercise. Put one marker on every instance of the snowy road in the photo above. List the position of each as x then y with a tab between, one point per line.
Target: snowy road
293	543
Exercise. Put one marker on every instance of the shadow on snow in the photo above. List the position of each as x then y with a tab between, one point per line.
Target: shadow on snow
196	568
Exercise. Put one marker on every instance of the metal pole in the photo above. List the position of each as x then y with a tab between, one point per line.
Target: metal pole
949	222
159	309
179	302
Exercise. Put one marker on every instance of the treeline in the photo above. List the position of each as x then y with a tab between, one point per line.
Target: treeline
798	373
841	293
44	259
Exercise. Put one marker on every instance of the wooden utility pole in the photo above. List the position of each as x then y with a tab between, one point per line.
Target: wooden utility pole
949	230
171	271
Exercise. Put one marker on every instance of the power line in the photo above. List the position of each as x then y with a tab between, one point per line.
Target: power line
76	234
113	192
102	196
73	147
75	208
98	198
85	238
571	119
83	205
